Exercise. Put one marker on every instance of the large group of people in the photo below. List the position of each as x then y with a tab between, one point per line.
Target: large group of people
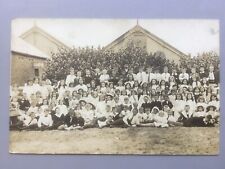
120	95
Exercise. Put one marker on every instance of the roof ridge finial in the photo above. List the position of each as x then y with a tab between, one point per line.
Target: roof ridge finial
137	22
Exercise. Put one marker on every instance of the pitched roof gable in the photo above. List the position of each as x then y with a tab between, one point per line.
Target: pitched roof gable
138	28
18	45
44	33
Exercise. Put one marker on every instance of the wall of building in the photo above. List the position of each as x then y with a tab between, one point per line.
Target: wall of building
153	46
141	40
23	68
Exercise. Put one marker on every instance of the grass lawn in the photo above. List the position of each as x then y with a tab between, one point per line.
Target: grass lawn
170	141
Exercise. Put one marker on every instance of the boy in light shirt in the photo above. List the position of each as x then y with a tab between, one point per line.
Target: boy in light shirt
161	119
45	121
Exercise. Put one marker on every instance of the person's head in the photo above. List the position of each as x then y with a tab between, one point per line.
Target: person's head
135	104
133	92
126	100
141	110
109	97
135	111
103	84
190	88
94	94
57	110
196	90
77	113
67	93
136	84
127	86
211	108
79	73
71	112
166	98
189	96
204	81
102	97
82	103
116	99
162	82
62	82
153	82
213	98
80	81
201	99
71	84
104	72
97	70
165	69
85	94
174	87
87	72
200	109
145	85
187	108
30	82
171	79
120	83
183	70
126	108
111	85
89	106
46	111
36	80
155	110
45	101
130	77
32	115
117	92
202	89
147	110
211	68
166	108
38	94
158	89
202	69
193	70
161	113
149	70
71	71
124	92
141	69
179	97
108	108
33	103
146	99
185	82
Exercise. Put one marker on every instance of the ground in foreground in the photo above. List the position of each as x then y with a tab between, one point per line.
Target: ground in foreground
169	141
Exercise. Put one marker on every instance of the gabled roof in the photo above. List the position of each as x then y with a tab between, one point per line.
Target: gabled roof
18	45
138	28
36	28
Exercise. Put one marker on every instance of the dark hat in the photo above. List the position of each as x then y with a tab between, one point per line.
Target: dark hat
92	105
200	106
109	94
82	101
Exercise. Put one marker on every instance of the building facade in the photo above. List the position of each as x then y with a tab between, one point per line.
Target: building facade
140	37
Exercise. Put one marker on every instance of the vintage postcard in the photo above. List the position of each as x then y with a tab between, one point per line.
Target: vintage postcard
115	86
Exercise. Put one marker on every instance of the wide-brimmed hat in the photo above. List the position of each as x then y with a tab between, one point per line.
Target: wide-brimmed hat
208	107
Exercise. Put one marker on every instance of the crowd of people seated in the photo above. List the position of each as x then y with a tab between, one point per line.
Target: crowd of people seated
119	96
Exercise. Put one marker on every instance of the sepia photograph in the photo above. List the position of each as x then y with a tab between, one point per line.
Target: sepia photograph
115	86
